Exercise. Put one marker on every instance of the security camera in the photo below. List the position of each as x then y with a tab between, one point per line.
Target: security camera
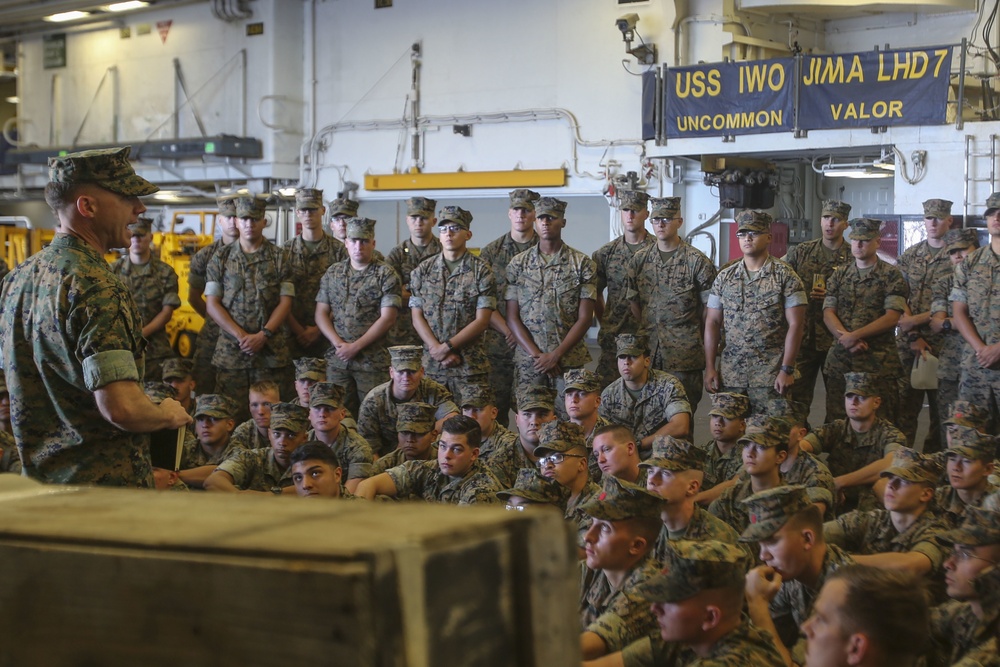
627	22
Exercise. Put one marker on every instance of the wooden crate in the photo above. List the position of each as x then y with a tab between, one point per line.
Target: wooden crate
109	577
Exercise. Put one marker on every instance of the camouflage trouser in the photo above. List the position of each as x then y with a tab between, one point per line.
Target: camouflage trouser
694	386
525	375
947	393
455	381
981	387
316	351
235	383
809	366
760	398
607	364
203	371
356	384
501	378
402	332
911	402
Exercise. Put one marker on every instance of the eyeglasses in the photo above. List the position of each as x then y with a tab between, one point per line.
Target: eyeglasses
556	459
514	508
662	221
960	555
745	234
451	229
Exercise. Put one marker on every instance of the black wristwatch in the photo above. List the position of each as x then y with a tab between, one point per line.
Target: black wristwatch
946	325
790	370
267	332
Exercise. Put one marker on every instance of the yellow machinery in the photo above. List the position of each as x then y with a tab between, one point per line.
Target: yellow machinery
176	248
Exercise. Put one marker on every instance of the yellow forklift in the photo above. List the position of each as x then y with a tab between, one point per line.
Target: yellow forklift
189	232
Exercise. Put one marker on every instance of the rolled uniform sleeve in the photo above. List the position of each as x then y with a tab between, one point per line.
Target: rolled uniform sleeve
105	341
588	280
241	466
213	277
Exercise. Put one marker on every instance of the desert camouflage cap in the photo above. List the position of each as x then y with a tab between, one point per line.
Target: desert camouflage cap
993	202
226	204
837	209
477	396
770	432
289	417
964	413
557	436
550	206
729	405
326	394
343	206
454	215
415	417
524	198
631	345
971	444
937	208
214	405
987	587
632	200
753	220
532	486
695	566
671	453
406	357
622	500
158	391
912	466
177	368
108	168
361	228
771	509
980	527
664	207
141	227
307	199
310	368
582	379
421	207
960	239
862	384
535	396
864	229
251	206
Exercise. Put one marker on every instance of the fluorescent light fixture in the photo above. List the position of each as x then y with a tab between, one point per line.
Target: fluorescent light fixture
66	16
287	191
126	6
857	173
13	99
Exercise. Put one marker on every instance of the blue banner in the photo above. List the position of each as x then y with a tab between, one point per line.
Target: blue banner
729	98
900	87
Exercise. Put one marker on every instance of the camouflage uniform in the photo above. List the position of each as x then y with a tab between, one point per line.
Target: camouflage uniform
501	438
721	467
576	516
10	461
970	444
377	418
193	455
352	451
256	470
449	300
702	526
153	286
729	506
208	337
247	436
404	258
4	269
505	462
617	616
659	400
810	471
671	292
356	300
872	532
548	292
424	480
753	320
859	298
309	262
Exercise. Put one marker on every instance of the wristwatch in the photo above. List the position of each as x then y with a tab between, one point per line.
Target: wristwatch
946	325
790	370
267	332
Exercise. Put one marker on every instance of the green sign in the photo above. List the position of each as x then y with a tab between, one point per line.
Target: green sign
54	51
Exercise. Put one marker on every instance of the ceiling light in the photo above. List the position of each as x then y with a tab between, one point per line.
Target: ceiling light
66	16
287	191
857	173
126	6
13	99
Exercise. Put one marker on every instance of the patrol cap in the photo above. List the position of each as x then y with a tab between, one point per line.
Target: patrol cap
108	168
343	206
406	357
477	396
582	379
534	396
912	466
671	453
421	207
415	417
622	500
729	405
837	209
960	239
310	368
307	199
971	444
289	417
251	206
524	198
550	206
558	436
214	405
158	391
664	207
937	208
772	432
987	587
141	227
226	204
361	228
455	215
970	415
177	368
753	220
771	509
992	202
532	486
632	200
632	345
864	229
326	394
695	566
980	527
862	384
